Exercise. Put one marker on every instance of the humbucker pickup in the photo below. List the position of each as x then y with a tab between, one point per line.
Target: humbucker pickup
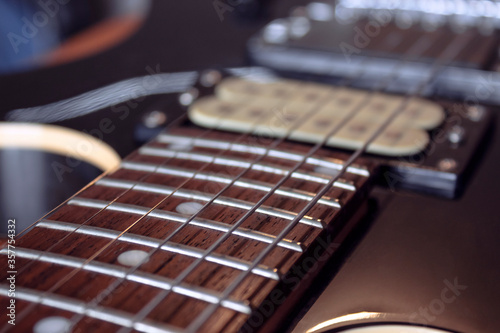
366	45
309	112
427	147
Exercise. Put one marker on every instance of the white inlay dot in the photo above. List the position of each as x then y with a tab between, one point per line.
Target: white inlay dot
181	145
132	258
54	324
326	171
189	208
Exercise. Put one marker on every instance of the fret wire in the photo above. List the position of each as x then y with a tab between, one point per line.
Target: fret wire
213	177
150	306
187	251
133	209
289	192
168	247
160	282
200	222
147	241
452	48
281	154
64	303
236	163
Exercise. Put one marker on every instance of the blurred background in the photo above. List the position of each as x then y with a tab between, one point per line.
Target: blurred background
43	32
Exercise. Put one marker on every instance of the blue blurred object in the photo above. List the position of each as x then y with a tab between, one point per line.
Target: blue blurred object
30	28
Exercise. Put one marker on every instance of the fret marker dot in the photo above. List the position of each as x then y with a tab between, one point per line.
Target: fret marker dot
326	171
54	324
181	145
189	208
132	258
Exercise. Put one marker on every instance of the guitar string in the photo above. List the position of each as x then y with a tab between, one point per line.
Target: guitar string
186	272
281	140
226	233
174	124
186	223
150	307
67	277
211	308
28	309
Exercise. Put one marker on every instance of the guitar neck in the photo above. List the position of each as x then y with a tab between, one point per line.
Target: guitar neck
154	246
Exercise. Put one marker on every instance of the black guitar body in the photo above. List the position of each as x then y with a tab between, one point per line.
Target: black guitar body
417	258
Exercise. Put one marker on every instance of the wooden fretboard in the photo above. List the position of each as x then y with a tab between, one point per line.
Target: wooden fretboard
76	263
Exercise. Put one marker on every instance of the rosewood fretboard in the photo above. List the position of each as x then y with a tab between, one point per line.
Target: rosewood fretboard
73	263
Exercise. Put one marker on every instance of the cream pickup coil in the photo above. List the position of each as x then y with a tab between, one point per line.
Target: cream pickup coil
309	111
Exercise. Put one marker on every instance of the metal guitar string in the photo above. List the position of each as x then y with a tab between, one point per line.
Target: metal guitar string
62	281
171	125
163	294
28	309
277	239
211	308
191	218
175	123
99	98
275	144
228	233
181	185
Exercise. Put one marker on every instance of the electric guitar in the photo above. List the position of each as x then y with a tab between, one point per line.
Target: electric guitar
204	229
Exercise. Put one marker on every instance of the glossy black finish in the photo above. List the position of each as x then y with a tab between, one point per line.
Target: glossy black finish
33	182
414	242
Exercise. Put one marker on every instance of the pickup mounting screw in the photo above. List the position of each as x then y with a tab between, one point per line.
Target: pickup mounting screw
456	134
210	78
476	112
187	98
154	119
447	164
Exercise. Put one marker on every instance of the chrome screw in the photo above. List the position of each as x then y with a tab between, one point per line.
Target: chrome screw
476	112
154	119
447	164
210	78
187	98
456	134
